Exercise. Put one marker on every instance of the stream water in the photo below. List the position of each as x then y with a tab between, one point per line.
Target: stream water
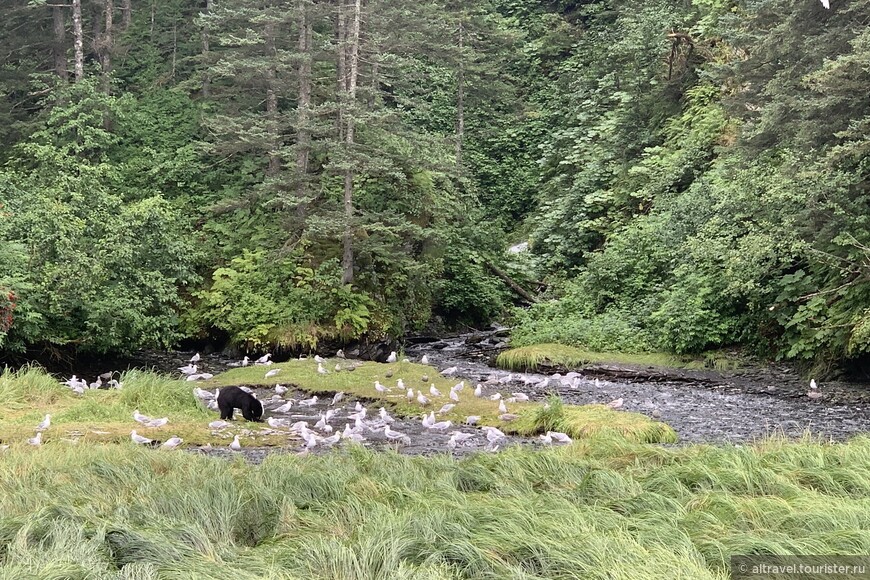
703	407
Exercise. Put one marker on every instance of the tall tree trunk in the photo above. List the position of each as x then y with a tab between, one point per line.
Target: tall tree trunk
272	103
106	43
206	78
341	68
460	100
353	69
174	47
303	133
59	47
78	42
127	16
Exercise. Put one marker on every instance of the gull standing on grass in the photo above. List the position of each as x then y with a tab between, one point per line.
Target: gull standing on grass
36	441
393	357
173	442
44	424
139	439
235	445
272	373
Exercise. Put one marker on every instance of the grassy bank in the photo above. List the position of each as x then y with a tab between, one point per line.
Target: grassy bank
536	356
106	415
601	508
577	421
28	395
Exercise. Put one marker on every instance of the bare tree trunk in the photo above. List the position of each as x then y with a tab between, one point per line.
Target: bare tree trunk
460	101
59	47
78	40
272	103
127	16
303	133
106	43
353	69
206	78
341	69
174	47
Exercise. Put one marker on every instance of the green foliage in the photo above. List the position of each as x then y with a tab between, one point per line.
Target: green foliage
258	299
90	267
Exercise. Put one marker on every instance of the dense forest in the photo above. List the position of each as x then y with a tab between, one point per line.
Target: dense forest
689	175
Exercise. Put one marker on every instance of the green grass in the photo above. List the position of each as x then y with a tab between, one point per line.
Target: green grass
589	420
601	508
530	358
28	395
576	421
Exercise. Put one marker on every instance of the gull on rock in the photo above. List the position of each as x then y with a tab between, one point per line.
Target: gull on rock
472	419
394	435
616	404
280	389
450	371
285	408
188	370
195	358
458	438
338	397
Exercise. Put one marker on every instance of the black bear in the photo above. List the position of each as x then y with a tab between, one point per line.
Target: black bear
235	398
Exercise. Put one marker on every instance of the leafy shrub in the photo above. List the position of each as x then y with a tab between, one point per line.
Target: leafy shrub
258	298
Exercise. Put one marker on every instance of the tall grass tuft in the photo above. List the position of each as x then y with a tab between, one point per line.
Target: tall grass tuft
592	420
604	507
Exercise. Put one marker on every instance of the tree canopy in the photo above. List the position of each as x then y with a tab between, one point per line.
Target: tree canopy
688	175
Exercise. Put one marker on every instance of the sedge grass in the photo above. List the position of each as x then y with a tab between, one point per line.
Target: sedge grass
604	507
536	356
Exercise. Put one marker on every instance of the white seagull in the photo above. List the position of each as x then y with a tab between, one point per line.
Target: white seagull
392	358
235	445
173	442
139	439
194	359
44	424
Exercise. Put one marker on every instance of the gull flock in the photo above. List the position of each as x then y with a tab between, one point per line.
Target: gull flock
353	421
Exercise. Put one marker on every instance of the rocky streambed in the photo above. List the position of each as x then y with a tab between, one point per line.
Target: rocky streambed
703	406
